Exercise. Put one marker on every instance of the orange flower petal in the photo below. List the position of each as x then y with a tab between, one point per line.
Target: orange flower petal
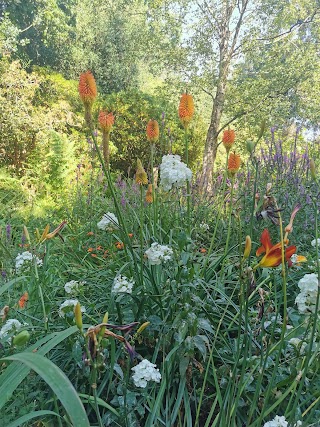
186	109
87	87
152	131
228	138
234	163
106	120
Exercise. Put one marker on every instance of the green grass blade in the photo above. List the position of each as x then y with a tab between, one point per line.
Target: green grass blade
90	399
6	286
14	375
30	416
58	382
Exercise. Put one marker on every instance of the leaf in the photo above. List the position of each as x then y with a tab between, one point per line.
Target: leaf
14	375
201	342
205	325
5	287
90	399
58	382
30	416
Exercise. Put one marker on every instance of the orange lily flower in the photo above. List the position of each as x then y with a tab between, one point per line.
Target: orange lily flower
46	235
23	300
273	253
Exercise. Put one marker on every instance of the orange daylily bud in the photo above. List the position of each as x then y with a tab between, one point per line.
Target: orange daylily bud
149	198
247	248
78	316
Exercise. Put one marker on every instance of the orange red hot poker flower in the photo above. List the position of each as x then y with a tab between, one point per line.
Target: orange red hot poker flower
186	109
152	131
228	138
87	87
106	121
234	163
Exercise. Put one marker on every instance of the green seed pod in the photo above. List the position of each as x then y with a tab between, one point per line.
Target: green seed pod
250	146
21	339
313	171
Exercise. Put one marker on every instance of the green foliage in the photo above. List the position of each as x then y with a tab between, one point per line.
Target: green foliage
132	112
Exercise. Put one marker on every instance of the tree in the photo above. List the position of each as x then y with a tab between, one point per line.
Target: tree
227	38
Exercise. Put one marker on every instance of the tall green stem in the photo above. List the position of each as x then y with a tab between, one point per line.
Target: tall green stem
315	319
218	217
153	191
186	142
141	233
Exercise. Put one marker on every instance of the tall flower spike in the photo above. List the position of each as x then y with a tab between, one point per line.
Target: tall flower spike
152	131
87	88
234	163
186	109
149	198
228	138
106	121
141	174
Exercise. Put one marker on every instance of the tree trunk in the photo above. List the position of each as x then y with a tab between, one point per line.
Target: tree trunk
211	146
227	45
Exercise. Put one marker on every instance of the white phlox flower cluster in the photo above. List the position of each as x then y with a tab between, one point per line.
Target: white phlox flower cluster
145	371
281	422
173	172
277	422
121	284
73	286
204	226
68	307
157	253
23	261
306	299
11	325
109	220
314	241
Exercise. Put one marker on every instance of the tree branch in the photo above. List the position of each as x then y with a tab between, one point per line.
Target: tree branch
207	92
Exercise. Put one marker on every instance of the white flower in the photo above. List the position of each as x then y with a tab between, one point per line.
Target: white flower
158	253
313	243
121	284
277	422
11	325
298	344
108	220
145	371
306	299
23	261
173	172
204	226
68	307
73	286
